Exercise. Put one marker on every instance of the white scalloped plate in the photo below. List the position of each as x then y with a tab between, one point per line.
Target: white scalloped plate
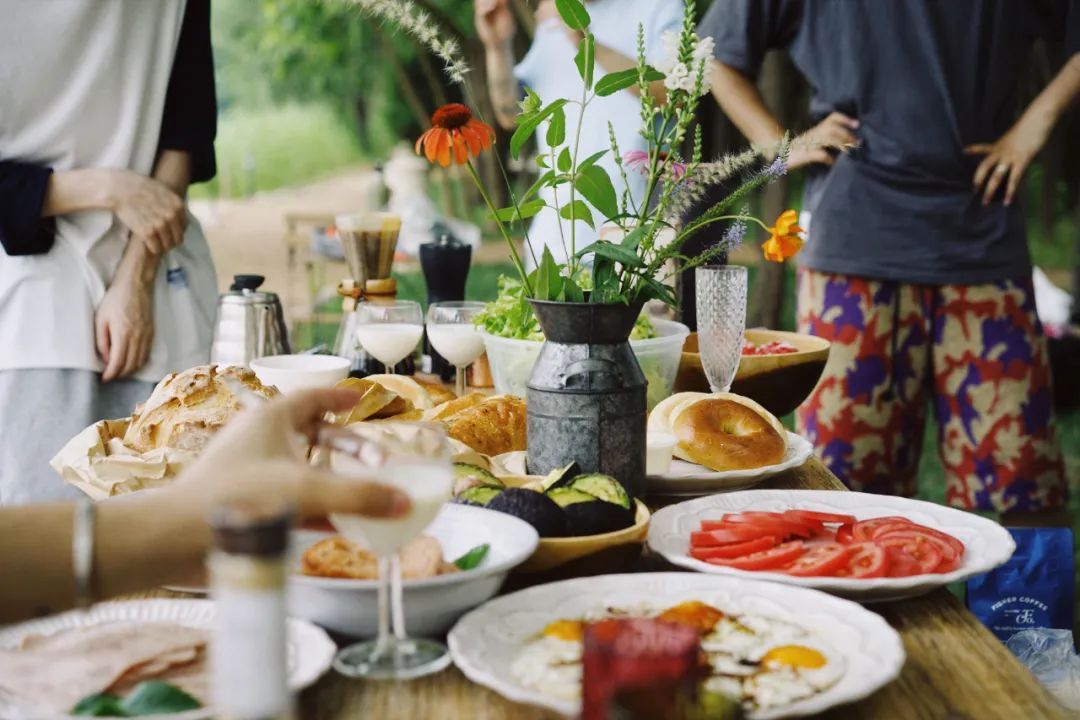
485	642
310	649
986	544
686	478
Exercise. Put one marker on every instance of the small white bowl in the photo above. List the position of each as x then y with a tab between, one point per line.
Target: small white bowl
659	449
432	605
289	373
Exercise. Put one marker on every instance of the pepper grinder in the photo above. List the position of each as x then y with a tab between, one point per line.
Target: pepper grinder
445	263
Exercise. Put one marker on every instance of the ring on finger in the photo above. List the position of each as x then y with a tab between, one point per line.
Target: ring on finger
1001	168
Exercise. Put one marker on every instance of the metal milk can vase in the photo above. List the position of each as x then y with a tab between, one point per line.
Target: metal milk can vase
587	394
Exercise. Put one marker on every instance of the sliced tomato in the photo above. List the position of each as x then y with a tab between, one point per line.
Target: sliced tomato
867	560
916	533
863	530
775	527
813	516
926	553
728	535
820	560
751	516
843	535
767	560
734	550
954	543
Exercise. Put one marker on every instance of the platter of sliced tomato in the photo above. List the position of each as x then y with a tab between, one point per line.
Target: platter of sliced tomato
863	546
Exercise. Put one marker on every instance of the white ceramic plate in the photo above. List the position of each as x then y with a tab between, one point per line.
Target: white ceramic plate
986	544
686	478
310	650
431	605
485	642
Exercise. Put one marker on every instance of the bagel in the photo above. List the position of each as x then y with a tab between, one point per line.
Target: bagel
727	432
660	417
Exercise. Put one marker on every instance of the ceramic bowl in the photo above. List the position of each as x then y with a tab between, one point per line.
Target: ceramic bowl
432	605
780	383
289	373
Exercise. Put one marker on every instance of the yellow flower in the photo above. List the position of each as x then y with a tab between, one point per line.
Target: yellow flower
784	241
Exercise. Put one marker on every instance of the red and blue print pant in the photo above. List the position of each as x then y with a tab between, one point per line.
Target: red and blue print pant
977	352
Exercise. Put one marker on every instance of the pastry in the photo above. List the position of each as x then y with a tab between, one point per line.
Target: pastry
453	407
375	399
727	432
187	408
438	392
493	427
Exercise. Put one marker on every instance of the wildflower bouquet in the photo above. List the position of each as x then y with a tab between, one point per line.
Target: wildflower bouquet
631	269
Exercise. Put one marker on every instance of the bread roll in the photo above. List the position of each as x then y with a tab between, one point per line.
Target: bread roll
660	417
375	399
495	426
438	392
416	394
453	407
187	408
727	432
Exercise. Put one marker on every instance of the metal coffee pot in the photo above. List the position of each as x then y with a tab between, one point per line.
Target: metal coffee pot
250	324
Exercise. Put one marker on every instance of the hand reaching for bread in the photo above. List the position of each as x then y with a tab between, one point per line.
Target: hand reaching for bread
722	431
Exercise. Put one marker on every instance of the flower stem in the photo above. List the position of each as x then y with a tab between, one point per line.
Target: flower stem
502	228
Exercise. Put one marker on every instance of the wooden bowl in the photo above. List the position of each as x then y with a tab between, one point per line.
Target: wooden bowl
554	552
780	383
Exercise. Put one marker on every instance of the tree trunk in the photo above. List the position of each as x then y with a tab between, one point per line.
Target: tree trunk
405	84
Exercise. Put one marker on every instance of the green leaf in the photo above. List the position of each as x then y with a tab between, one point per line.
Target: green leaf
656	290
573	14
99	705
577	210
586	59
523	211
473	558
529	105
548	282
605	280
595	186
528	126
632	239
616	81
556	132
591	160
653	75
572	291
155	697
611	251
565	161
541	160
545	179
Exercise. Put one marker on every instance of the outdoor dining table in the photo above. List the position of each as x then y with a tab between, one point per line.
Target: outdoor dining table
955	667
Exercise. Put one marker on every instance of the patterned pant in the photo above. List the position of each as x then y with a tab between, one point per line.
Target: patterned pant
977	351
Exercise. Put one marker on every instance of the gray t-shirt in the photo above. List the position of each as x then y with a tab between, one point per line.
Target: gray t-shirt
925	78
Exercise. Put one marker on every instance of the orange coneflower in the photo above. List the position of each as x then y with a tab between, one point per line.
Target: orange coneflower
784	240
455	135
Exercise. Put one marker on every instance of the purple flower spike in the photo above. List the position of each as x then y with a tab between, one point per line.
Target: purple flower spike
733	236
778	168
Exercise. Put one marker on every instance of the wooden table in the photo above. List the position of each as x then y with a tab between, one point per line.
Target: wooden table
955	669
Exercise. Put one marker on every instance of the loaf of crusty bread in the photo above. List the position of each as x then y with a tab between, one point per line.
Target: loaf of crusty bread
493	427
188	407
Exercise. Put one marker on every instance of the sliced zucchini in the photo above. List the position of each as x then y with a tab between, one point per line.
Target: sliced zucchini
604	487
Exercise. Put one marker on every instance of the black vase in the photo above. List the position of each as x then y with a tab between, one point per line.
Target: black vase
587	394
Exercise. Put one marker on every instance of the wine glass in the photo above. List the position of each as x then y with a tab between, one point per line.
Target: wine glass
389	331
453	335
721	319
415	459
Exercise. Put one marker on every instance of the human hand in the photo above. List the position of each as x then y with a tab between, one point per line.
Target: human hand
1008	159
152	211
258	455
834	132
124	326
495	23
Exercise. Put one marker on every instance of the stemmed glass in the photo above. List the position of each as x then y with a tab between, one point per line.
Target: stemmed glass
389	331
415	459
453	335
721	319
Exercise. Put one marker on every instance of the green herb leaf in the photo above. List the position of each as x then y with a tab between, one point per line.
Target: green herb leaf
545	179
556	131
573	14
653	75
616	81
577	210
595	186
611	251
523	211
529	105
591	160
548	283
605	281
586	59
633	238
572	291
155	697
565	161
541	160
99	705
529	124
473	558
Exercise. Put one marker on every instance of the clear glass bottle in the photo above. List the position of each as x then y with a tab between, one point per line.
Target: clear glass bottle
248	651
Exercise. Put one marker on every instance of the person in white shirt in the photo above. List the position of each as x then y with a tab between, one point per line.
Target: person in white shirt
107	113
548	69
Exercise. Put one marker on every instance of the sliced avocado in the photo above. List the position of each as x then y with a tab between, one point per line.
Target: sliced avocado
604	487
469	476
535	508
565	496
561	478
596	517
479	495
